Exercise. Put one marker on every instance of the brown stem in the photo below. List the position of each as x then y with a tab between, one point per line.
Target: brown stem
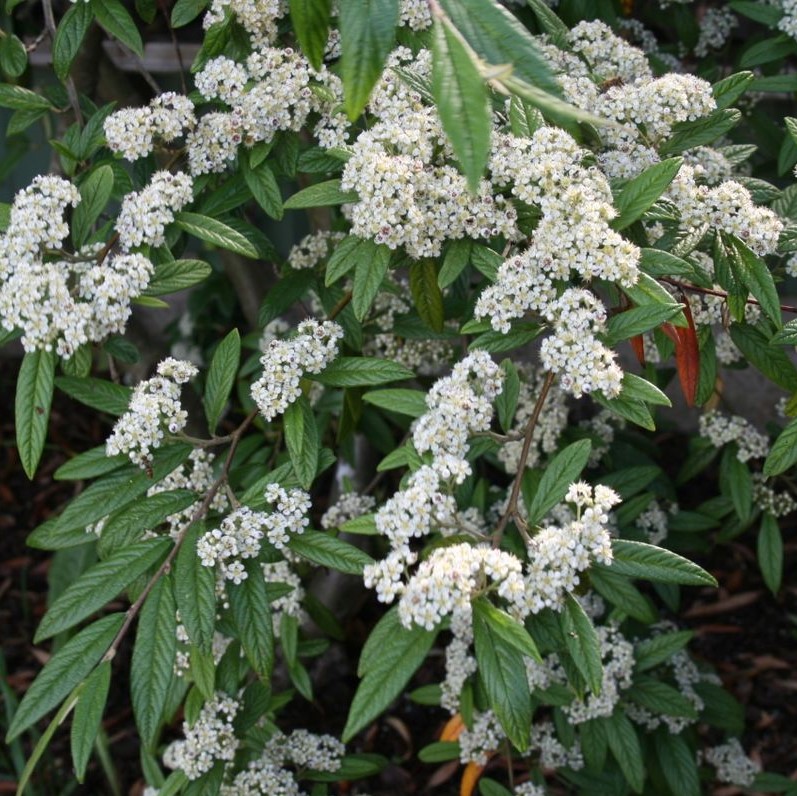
71	90
512	506
721	293
340	306
133	610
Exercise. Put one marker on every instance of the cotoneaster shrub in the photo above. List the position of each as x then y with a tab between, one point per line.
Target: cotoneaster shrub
429	400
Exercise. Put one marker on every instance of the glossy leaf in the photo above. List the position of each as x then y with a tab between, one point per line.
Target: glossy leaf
216	232
221	377
34	395
770	552
563	470
302	440
252	617
640	560
327	550
195	590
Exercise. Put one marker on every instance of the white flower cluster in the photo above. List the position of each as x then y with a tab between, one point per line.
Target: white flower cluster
601	427
132	131
272	92
609	56
285	361
240	534
457	408
617	655
482	739
557	554
788	22
778	504
268	774
460	664
61	303
732	764
144	214
259	18
727	207
711	164
415	14
654	522
529	789
715	30
553	754
348	506
551	422
720	429
182	658
289	604
313	248
446	582
154	411
409	195
210	738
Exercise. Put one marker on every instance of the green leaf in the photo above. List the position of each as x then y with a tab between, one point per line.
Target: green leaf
500	39
455	260
99	585
650	652
788	334
327	550
405	402
461	98
21	99
638	320
736	482
783	453
216	232
301	437
765	14
95	191
152	666
678	763
640	560
767	50
186	11
771	361
177	275
252	617
263	185
311	24
624	743
729	89
563	470
347	255
195	590
647	291
503	673
89	464
284	293
506	628
582	643
87	720
770	552
203	671
388	660
639	193
656	262
703	131
756	277
63	672
34	395
322	194
96	393
221	377
116	20
507	400
439	752
361	372
368	275
426	294
549	22
13	56
619	591
367	35
660	698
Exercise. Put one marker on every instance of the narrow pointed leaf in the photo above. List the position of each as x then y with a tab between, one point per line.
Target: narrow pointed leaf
87	720
563	470
34	395
252	617
221	377
582	643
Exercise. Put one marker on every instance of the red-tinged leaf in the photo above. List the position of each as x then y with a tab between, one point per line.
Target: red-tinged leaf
453	728
687	354
638	345
470	776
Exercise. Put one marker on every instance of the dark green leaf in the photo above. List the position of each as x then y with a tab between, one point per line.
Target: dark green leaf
640	560
13	56
701	132
678	763
311	23
96	393
322	194
87	719
327	550
263	185
783	453
21	99
506	628
770	552
69	37
461	98
729	89
624	743
361	372
116	20
771	361
301	437
756	277
252	616
221	377
368	275
195	590
405	402
99	585
367	35
216	232
152	666
285	293
426	295
582	643
186	11
637	320
90	464
650	652
177	275
563	470
95	191
34	395
68	667
639	193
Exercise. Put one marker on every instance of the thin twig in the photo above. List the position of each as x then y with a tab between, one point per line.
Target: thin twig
175	43
133	610
71	90
721	293
512	506
340	306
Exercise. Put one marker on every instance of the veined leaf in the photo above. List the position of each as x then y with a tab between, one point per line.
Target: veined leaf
311	23
87	720
624	743
639	193
783	453
678	763
652	651
368	275
563	470
462	102
640	560
770	360
637	320
582	643
252	616
69	37
263	185
221	377
68	667
99	585
95	191
115	18
177	275
34	395
361	372
756	277
426	295
216	232
301	437
99	394
405	402
367	34
508	629
327	550
195	590
152	665
770	552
